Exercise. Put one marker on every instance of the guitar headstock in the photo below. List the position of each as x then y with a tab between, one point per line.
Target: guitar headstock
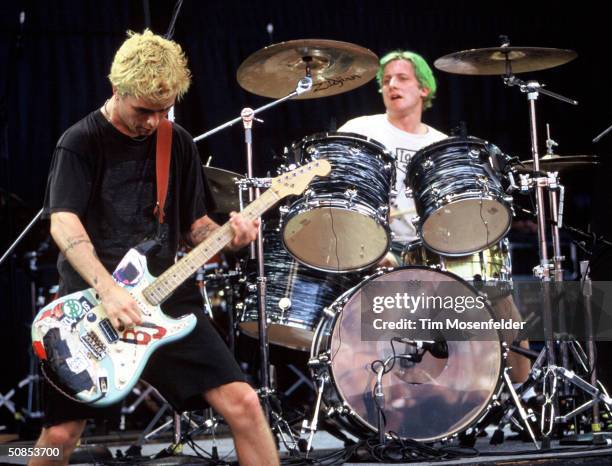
296	181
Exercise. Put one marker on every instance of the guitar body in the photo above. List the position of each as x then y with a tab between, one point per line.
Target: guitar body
91	360
96	364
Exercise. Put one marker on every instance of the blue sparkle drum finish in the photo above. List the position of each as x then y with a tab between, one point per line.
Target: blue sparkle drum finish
341	223
295	296
459	197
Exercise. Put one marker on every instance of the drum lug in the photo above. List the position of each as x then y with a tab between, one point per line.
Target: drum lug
383	212
328	311
350	195
415	220
283	210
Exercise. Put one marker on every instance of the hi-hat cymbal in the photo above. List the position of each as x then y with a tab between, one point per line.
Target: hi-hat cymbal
222	183
335	67
493	61
559	163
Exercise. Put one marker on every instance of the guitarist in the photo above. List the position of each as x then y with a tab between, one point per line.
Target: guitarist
101	200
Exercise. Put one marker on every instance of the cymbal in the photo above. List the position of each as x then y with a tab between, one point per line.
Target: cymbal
492	61
335	67
224	189
558	163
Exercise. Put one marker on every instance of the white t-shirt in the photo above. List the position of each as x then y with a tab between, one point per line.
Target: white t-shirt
402	146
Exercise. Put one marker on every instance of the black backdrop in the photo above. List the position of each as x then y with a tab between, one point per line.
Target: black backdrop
54	67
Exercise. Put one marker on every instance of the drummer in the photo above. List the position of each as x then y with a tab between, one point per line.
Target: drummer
408	87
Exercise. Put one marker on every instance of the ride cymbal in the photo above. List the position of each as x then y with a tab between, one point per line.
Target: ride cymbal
503	60
335	67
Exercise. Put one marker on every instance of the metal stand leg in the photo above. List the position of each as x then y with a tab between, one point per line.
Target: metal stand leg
311	428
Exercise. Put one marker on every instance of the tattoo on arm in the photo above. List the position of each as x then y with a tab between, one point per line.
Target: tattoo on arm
72	242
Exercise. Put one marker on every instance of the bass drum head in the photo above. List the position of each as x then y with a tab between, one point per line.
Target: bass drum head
427	401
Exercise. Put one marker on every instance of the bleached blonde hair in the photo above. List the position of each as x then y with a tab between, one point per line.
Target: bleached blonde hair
150	67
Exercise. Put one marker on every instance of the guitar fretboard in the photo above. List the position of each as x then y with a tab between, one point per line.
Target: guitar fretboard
158	291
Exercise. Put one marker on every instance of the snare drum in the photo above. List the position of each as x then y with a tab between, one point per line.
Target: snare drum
295	296
489	270
430	400
341	223
460	201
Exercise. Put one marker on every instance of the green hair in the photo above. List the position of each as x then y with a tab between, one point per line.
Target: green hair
422	71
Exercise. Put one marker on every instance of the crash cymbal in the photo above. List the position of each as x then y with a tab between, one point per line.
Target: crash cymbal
558	163
224	189
335	67
492	61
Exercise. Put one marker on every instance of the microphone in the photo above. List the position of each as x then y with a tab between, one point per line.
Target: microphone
438	349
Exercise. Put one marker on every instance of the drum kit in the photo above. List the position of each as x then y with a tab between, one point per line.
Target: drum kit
317	258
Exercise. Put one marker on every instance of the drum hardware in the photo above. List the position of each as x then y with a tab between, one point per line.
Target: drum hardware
247	115
548	271
602	134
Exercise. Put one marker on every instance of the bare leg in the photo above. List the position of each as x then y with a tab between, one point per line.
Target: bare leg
239	405
65	435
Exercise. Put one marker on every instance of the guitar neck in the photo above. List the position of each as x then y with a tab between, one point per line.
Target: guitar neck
158	291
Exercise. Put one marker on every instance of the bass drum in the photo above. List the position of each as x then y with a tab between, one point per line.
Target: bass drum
428	401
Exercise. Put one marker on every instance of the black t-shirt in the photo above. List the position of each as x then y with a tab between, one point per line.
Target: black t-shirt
108	180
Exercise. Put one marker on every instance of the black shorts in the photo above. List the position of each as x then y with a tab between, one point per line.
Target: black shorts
181	371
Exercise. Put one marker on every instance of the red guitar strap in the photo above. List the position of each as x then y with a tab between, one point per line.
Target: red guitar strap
162	165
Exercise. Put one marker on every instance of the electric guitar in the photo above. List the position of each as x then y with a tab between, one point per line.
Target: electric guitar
96	364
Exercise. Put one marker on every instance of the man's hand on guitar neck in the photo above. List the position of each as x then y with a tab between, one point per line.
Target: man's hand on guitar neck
245	231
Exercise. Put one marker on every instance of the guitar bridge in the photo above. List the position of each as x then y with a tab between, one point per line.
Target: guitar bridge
95	346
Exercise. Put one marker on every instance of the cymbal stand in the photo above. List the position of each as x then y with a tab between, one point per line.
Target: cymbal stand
304	85
247	115
548	271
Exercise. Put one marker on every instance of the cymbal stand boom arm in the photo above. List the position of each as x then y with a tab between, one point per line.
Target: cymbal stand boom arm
304	85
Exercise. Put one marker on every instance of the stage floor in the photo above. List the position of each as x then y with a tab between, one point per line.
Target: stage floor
326	449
